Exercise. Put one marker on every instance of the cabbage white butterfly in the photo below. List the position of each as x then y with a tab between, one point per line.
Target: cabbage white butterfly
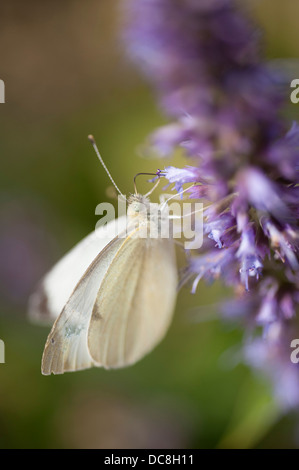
113	299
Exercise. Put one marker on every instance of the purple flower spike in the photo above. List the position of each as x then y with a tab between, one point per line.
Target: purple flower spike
203	58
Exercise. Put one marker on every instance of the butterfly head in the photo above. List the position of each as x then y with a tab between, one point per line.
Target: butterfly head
139	206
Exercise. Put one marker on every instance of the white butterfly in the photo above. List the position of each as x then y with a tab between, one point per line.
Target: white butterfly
113	299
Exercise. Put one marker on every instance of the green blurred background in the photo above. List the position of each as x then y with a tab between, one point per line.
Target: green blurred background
67	75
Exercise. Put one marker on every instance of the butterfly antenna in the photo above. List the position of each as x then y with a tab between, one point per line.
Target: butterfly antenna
150	174
92	140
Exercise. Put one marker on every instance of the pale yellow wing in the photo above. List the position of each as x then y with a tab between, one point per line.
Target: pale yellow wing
135	302
57	286
66	347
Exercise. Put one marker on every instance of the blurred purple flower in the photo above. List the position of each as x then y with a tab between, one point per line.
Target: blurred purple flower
271	355
180	176
25	249
204	59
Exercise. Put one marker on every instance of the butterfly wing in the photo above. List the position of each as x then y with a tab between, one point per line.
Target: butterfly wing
66	347
135	302
55	289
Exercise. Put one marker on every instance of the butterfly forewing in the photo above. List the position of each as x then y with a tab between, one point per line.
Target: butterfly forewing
132	312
